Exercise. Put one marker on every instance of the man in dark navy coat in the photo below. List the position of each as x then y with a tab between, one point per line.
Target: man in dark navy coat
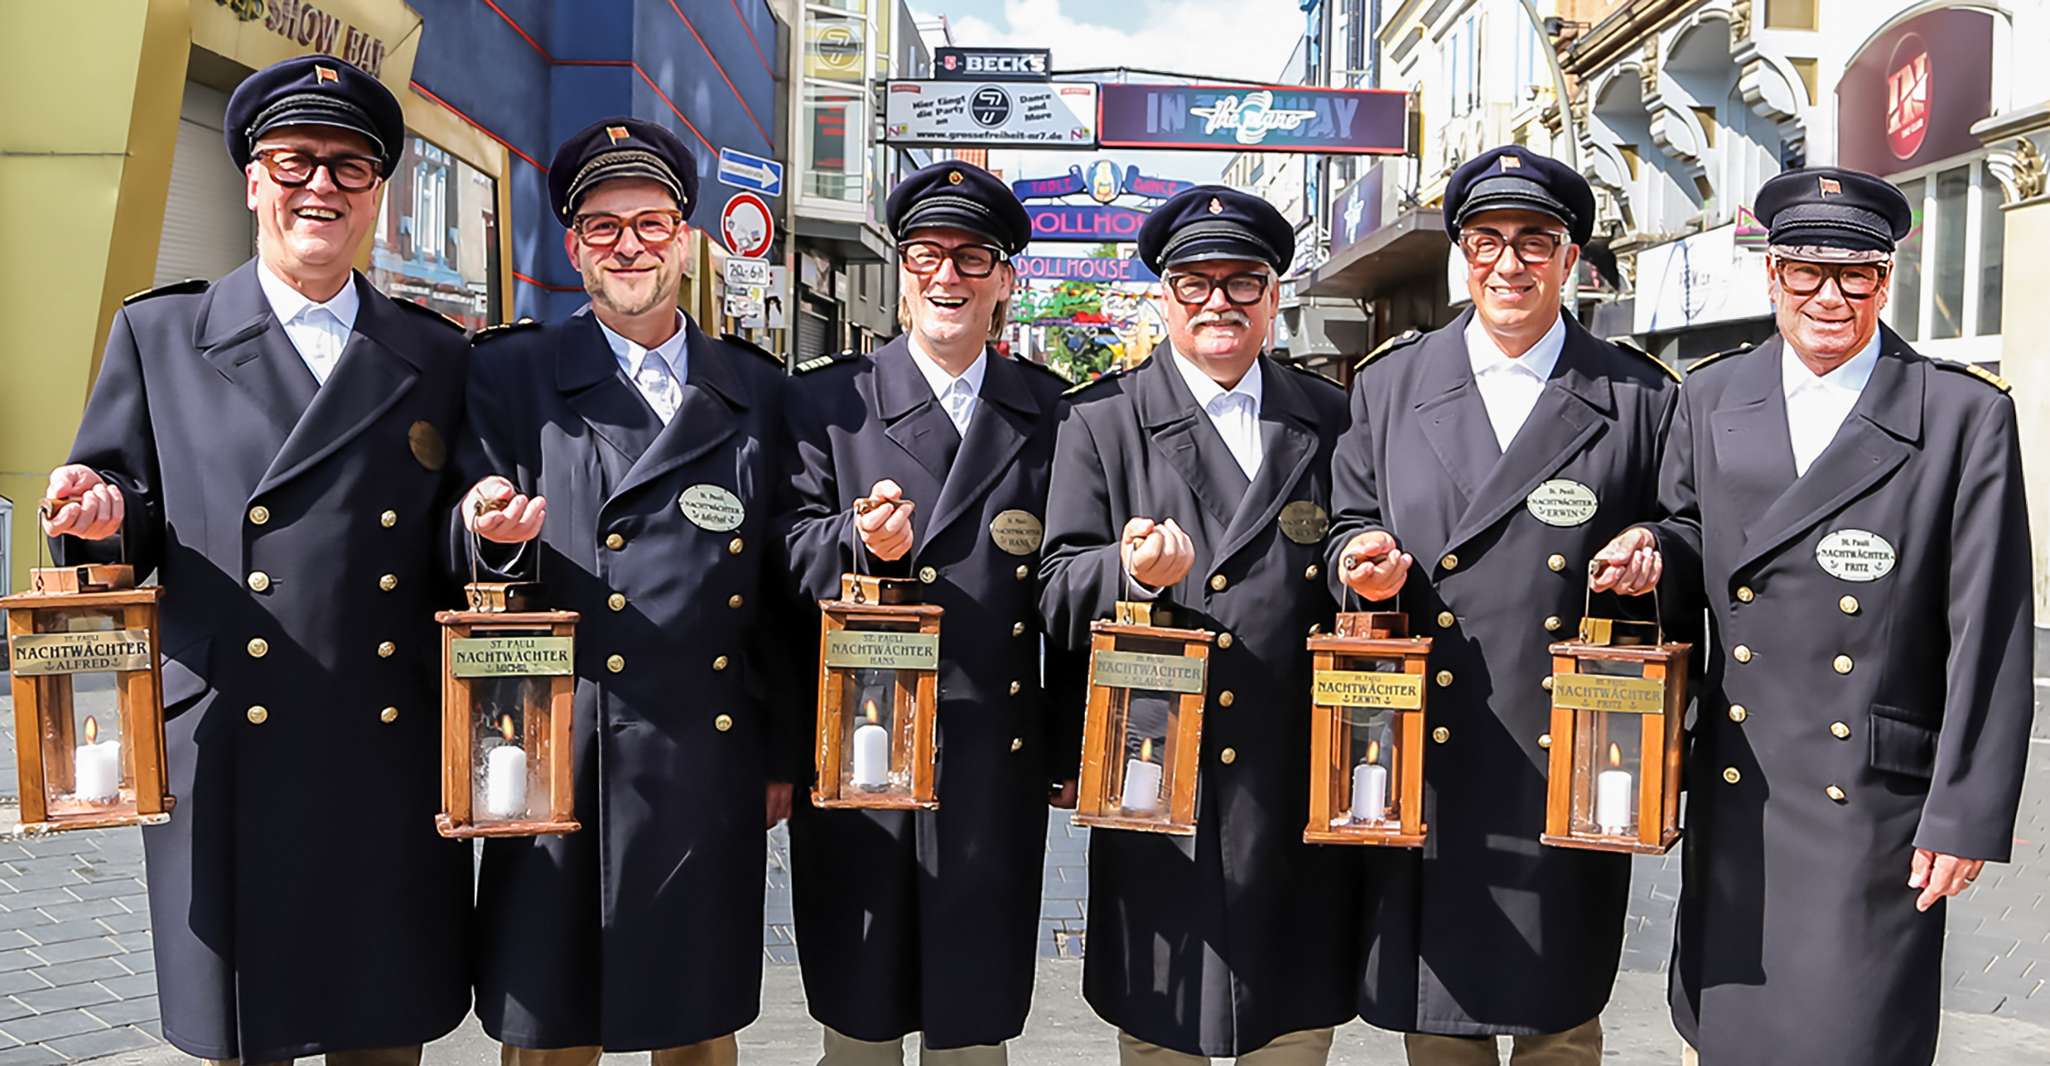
1853	514
641	452
928	921
271	447
1486	463
1201	479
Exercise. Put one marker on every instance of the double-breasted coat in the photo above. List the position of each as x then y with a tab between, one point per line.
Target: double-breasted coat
929	920
1218	943
640	930
1868	693
302	901
1483	930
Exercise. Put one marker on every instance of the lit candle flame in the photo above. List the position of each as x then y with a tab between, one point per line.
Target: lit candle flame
868	708
1373	751
1615	755
505	727
92	729
1146	750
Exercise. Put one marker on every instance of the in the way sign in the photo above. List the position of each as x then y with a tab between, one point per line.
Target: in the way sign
744	171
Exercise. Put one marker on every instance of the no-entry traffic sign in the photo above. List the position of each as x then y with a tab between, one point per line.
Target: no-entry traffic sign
746	226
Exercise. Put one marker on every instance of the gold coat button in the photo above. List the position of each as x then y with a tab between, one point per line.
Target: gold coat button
1555	562
258	647
1848	605
388	519
259	515
1731	776
719	662
1841	664
1546	684
1445	619
1745	595
1310	572
1741	653
388	715
1738	713
615	663
616	601
386	649
1545	741
1441	734
723	723
1227	698
258	715
1834	793
258	581
1217	582
1017	629
614	541
1228	756
1450	561
1839	730
1017	687
734	601
1224	640
388	582
735	546
1552	623
1017	744
1444	679
928	575
1022	572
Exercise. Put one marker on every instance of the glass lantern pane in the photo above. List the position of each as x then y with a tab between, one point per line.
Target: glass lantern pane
1145	722
85	768
1368	789
876	733
509	737
1608	764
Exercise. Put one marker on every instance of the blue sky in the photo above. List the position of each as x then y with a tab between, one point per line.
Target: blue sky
1125	15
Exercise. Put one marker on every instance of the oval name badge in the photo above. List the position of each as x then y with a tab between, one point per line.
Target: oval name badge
1854	555
428	447
712	508
1017	532
1304	522
1562	502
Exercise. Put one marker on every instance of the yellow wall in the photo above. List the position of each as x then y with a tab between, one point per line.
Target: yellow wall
2023	322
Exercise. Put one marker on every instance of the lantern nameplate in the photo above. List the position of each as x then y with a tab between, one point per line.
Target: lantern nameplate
1146	670
1604	692
882	650
1368	688
501	656
47	654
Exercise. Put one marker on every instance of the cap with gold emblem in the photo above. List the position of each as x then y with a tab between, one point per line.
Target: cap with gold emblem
1514	178
621	148
1828	214
315	90
1215	222
960	196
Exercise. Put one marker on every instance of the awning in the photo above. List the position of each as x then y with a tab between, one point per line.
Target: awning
1414	245
849	242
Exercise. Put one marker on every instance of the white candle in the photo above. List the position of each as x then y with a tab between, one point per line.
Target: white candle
1613	801
505	781
97	770
1369	792
1142	786
871	755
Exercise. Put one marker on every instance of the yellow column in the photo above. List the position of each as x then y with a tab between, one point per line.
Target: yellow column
91	95
2024	321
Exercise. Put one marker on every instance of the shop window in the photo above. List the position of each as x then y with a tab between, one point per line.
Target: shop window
437	236
1948	272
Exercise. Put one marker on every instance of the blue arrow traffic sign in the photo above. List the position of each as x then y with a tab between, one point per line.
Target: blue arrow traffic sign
753	172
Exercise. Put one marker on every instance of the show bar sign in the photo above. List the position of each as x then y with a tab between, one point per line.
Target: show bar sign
1070	222
992	64
1242	118
1080	268
1055	114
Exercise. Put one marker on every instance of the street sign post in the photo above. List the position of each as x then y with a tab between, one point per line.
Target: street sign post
752	172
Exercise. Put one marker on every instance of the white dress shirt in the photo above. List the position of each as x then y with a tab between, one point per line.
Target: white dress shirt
958	395
660	380
1817	406
319	331
1234	411
1510	387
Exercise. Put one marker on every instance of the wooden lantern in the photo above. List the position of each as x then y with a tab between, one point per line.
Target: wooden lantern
508	696
1367	732
1142	737
83	646
1619	694
878	717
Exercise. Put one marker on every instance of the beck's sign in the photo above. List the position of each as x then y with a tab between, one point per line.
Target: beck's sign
1242	118
992	64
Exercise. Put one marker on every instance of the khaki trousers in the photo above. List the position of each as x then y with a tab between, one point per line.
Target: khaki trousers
405	1055
718	1051
1304	1047
1578	1046
844	1050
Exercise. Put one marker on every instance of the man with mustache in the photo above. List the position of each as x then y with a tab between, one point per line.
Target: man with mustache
1853	515
271	447
1200	479
629	460
1486	463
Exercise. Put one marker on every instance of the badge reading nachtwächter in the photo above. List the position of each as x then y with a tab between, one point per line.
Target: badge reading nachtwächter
1143	670
1854	555
1562	502
43	654
512	656
1017	532
1367	688
712	508
1607	692
1304	522
882	650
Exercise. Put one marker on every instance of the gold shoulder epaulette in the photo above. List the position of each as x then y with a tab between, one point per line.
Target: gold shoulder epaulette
1977	371
1724	354
431	313
1406	337
503	329
1626	344
1109	375
188	287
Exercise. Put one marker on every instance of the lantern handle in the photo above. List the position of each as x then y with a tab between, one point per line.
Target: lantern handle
479	509
47	508
1658	616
